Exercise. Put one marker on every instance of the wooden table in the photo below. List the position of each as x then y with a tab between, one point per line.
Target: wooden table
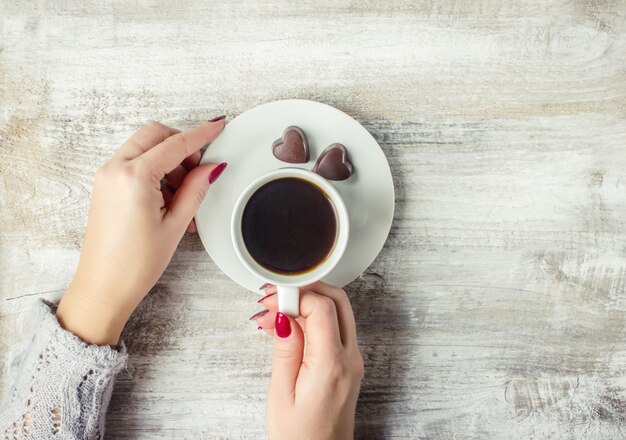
497	309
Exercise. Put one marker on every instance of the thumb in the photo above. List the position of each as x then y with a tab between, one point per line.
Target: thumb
288	353
191	192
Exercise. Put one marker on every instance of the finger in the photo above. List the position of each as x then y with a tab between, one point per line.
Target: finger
268	289
168	195
266	321
176	176
288	353
269	298
145	138
192	228
269	327
270	302
270	331
320	316
347	325
192	161
169	154
190	194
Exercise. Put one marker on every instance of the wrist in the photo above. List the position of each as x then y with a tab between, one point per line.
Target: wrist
92	321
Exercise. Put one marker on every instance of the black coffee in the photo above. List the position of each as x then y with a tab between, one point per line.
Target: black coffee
289	226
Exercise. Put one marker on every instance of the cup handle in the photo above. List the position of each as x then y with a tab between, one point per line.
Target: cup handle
289	300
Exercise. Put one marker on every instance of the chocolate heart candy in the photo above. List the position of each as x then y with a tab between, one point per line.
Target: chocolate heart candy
333	163
292	147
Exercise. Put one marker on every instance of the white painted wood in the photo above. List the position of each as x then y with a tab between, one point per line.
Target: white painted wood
498	306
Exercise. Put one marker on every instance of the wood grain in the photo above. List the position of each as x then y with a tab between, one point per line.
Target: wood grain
497	308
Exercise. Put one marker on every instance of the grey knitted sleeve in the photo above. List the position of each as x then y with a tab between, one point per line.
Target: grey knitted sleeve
63	387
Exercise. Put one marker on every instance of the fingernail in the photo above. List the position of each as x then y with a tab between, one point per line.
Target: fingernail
265	297
259	328
282	325
258	314
215	172
265	286
217	118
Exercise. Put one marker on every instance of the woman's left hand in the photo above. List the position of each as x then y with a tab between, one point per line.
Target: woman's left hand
143	201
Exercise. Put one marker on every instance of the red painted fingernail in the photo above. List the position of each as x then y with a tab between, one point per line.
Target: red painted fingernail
217	118
259	328
258	314
265	297
215	173
265	286
282	325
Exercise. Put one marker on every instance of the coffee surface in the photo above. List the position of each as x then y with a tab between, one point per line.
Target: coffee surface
289	226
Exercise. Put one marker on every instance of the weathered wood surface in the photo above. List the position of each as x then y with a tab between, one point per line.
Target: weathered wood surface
498	306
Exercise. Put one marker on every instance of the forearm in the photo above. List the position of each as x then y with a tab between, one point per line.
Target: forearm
63	385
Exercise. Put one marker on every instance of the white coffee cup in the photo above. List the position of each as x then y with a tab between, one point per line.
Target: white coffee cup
288	286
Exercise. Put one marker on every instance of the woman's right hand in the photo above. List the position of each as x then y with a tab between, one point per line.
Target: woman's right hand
313	393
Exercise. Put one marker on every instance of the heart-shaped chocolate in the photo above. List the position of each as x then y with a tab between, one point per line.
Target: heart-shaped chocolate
333	163
292	147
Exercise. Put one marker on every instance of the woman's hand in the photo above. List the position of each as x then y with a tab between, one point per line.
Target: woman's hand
136	220
313	394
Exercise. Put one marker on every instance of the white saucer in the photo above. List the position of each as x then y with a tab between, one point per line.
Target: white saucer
246	144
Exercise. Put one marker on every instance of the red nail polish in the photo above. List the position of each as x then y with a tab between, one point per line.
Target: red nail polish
282	326
258	314
259	328
265	297
215	173
217	118
265	286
